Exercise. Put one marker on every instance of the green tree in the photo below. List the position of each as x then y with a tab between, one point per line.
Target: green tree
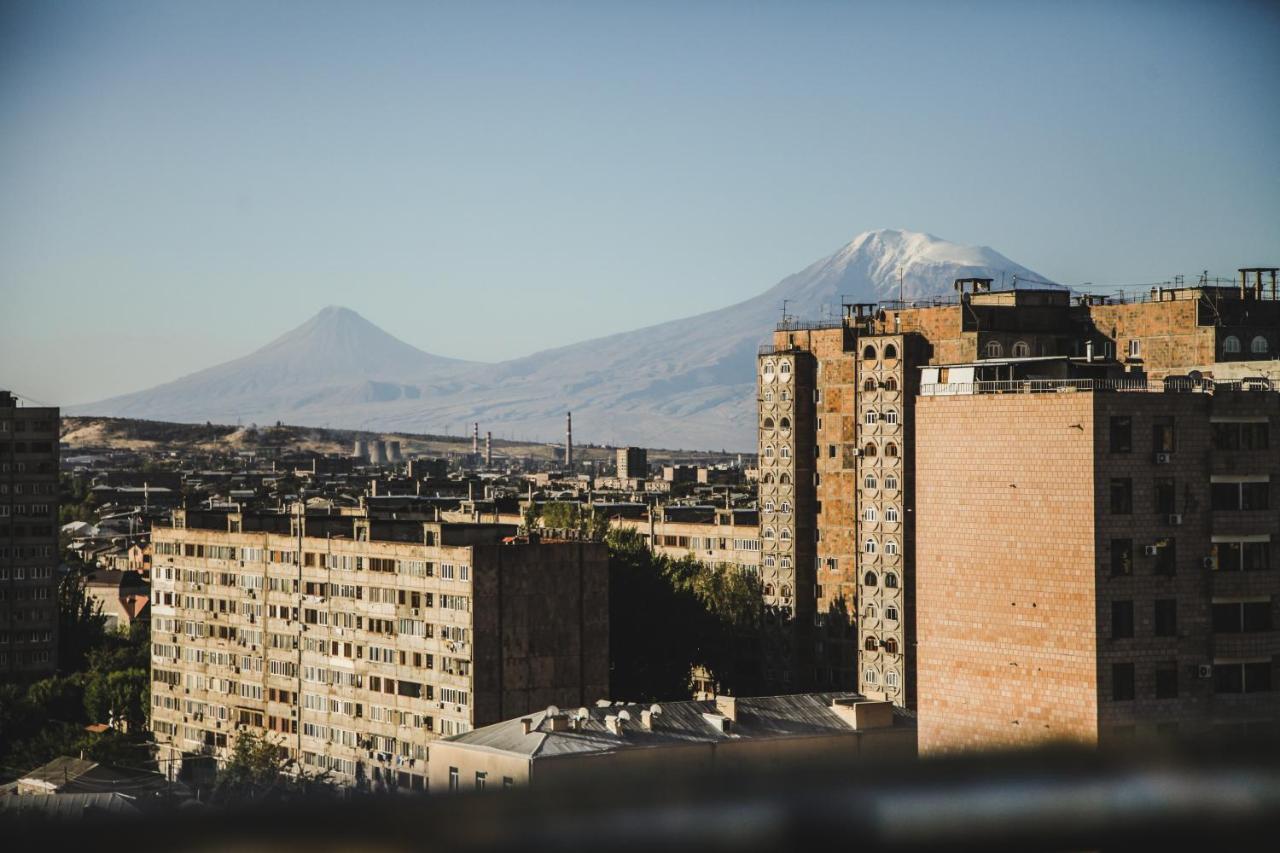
81	625
120	698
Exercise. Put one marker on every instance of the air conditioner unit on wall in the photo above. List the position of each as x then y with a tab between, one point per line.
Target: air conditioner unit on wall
1204	670
1163	458
1175	518
1208	562
1150	550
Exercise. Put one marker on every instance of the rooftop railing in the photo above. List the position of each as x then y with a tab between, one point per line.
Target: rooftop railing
1174	385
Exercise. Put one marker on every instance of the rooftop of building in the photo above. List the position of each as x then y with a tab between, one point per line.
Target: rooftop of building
611	726
1051	374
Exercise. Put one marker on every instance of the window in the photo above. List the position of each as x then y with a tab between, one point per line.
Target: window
1121	557
1121	496
890	482
993	349
890	384
1167	680
1258	346
1244	496
870	612
869	579
1122	682
784	370
1163	437
785	453
1166	495
870	644
1241	617
890	580
1231	344
1021	349
453	779
869	481
890	351
869	547
1166	557
785	423
891	613
1166	617
768	423
831	451
768	368
508	783
870	384
481	778
1242	556
891	416
1121	434
868	352
870	418
891	513
1251	435
1121	620
1254	677
891	646
869	451
871	677
891	677
869	514
1135	348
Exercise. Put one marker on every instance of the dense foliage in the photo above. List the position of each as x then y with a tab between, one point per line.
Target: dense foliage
669	617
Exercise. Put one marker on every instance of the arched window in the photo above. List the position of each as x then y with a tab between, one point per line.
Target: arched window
994	350
891	613
870	645
784	479
1021	349
870	579
784	370
870	677
869	514
1231	344
785	423
891	482
768	368
869	385
768	589
786	591
891	384
890	580
768	423
891	416
891	646
784	534
869	450
870	418
891	678
869	481
785	453
769	560
768	506
767	533
785	508
891	513
891	449
1258	346
890	351
784	562
868	352
890	547
767	479
784	396
870	612
768	451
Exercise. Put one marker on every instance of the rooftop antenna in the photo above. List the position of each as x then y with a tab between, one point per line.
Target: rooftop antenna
901	292
784	309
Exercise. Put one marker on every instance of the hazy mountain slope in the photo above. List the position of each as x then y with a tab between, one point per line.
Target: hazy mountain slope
685	383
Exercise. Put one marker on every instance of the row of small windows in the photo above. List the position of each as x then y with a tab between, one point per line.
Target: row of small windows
890	481
890	580
784	452
890	645
995	349
784	369
784	423
890	449
1258	346
870	514
783	534
890	612
871	417
784	507
871	677
869	547
783	479
784	396
890	351
888	384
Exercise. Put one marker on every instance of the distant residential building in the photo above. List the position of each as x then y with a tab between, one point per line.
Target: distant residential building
122	596
556	745
29	451
356	640
633	463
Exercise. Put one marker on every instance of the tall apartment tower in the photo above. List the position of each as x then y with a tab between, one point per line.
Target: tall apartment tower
29	441
354	641
838	409
633	463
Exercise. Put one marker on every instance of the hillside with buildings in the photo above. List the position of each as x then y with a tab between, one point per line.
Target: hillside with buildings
687	383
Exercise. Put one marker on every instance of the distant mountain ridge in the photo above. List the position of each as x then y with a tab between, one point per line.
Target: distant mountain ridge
684	383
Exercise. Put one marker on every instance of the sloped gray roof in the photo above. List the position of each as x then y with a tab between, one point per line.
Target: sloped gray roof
688	721
67	806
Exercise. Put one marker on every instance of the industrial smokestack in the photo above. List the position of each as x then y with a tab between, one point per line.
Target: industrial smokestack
361	449
393	451
568	440
475	439
488	449
378	452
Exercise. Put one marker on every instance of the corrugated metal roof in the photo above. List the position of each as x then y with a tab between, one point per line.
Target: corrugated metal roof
67	806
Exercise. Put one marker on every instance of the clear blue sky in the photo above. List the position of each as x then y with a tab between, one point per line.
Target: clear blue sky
181	182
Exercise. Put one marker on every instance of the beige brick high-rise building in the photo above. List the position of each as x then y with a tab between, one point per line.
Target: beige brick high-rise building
355	641
28	538
839	417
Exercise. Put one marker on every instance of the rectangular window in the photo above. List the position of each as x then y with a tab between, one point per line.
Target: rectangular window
1166	617
1242	677
1121	434
1167	680
1121	496
1163	437
481	778
1121	557
453	778
1122	682
1121	620
1166	493
1238	617
1166	557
